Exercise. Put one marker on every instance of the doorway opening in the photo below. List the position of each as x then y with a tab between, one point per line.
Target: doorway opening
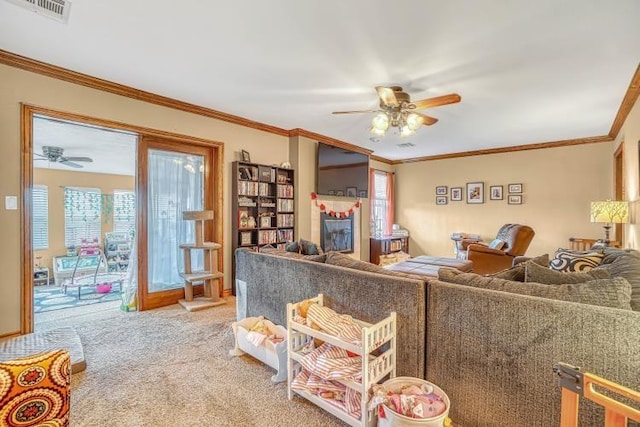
83	218
110	236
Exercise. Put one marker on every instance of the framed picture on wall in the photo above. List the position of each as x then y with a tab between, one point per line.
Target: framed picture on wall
441	200
475	192
456	194
515	199
352	191
441	190
515	188
245	156
495	192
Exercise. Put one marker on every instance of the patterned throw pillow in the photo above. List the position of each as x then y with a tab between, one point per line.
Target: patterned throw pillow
35	389
566	260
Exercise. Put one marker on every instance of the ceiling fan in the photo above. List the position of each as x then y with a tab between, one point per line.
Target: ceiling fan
397	110
54	154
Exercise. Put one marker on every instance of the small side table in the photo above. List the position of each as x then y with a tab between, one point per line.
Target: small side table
41	276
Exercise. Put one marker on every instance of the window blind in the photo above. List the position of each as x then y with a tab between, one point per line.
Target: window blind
124	211
40	217
82	215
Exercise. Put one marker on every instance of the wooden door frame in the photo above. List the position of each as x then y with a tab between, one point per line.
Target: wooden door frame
27	112
147	300
619	187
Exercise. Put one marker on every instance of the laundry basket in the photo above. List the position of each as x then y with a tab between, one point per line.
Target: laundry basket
392	419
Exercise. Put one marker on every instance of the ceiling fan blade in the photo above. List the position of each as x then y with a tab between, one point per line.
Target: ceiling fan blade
426	120
41	155
387	95
437	101
72	164
76	159
355	112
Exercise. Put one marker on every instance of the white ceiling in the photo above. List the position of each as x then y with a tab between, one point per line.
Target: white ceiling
527	71
112	152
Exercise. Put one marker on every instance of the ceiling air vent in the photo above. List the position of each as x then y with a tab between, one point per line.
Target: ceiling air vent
54	9
406	145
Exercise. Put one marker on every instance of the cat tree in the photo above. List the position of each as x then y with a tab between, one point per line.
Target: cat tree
211	278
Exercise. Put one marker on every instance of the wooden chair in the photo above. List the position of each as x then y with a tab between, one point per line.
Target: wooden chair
580	244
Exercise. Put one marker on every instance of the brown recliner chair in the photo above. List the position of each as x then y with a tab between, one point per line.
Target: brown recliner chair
516	240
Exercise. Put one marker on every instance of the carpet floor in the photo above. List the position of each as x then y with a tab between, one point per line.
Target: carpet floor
170	367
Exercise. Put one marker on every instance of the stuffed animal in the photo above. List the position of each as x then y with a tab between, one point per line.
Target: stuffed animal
303	309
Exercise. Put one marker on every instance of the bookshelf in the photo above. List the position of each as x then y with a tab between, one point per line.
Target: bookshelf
263	209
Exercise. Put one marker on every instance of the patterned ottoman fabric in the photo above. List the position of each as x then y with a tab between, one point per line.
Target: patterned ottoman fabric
34	390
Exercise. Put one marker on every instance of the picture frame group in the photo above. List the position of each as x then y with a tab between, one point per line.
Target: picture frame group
475	193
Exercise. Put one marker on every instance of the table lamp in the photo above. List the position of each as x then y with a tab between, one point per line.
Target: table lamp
609	212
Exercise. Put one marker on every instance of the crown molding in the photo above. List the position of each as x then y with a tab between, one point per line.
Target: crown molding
67	75
330	141
31	65
536	146
630	98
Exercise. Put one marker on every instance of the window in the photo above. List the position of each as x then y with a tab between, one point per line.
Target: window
40	217
82	215
381	203
124	211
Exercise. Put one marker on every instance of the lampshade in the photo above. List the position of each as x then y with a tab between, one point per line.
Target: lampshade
380	123
610	212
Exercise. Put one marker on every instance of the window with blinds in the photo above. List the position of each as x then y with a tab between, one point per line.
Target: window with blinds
82	215
40	217
124	211
379	202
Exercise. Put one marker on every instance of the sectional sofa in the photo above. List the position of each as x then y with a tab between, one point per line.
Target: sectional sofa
493	352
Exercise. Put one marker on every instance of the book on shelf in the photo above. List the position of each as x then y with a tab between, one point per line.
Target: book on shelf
285	190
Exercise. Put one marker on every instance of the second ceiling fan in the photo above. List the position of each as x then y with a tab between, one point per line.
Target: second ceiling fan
397	110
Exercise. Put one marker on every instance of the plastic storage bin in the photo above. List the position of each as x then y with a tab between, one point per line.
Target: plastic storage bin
393	419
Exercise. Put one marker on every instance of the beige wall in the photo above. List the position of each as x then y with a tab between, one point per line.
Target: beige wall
56	180
629	135
558	185
18	86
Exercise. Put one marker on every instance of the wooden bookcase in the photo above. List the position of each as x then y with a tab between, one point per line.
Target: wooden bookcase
385	246
263	210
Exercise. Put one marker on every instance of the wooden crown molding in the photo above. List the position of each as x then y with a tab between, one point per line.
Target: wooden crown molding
18	61
536	146
329	140
629	100
67	75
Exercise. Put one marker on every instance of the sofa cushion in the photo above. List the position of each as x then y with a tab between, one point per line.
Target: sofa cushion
309	248
615	292
539	274
296	255
567	260
517	271
292	247
625	263
343	260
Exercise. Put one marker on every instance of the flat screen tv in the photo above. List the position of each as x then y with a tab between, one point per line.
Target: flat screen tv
342	172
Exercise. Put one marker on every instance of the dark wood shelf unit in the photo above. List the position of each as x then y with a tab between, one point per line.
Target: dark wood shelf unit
385	246
262	196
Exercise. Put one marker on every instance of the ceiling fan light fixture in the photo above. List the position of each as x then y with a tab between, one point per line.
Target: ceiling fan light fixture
380	123
406	131
414	121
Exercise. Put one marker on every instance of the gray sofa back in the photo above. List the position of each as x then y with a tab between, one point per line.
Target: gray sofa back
493	353
266	283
